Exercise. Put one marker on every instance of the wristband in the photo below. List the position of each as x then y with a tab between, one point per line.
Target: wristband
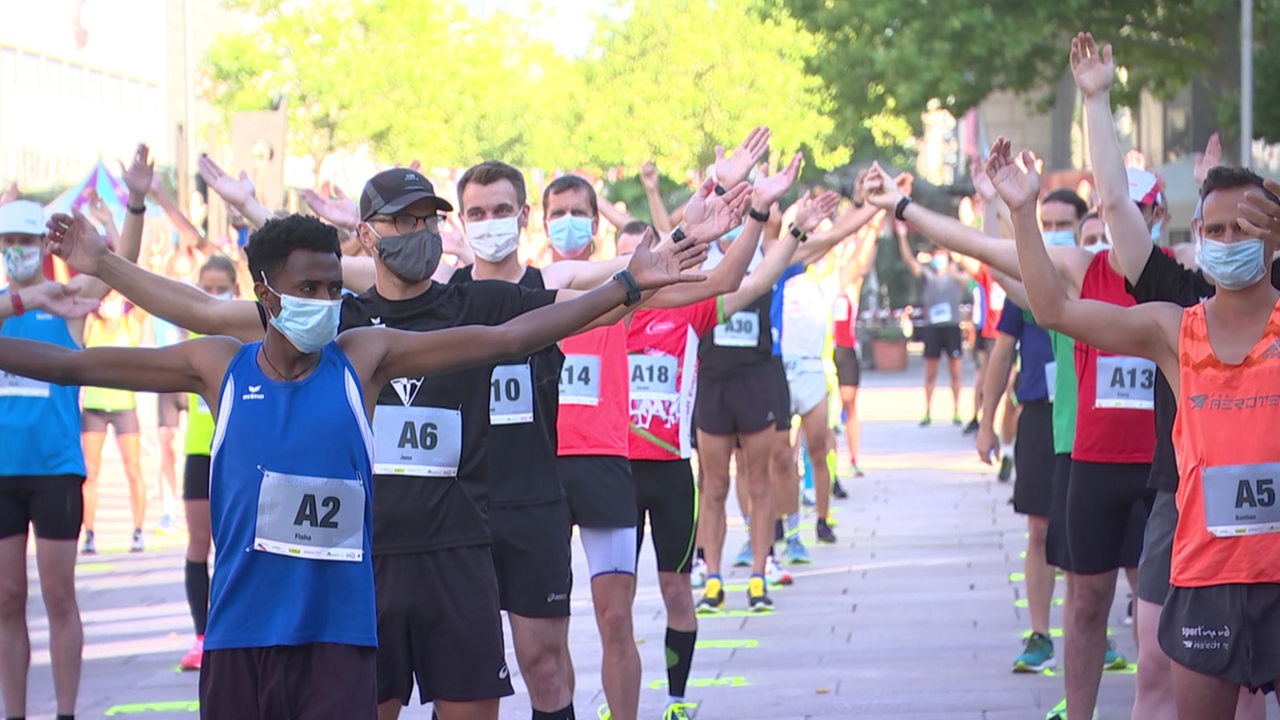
628	282
797	233
758	216
678	235
137	210
902	206
720	190
16	300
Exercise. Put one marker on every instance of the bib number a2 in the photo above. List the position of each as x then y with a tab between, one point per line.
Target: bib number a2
310	517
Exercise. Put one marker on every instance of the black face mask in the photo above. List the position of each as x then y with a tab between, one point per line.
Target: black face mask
413	257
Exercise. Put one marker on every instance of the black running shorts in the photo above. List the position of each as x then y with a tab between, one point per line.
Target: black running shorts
439	622
1107	506
744	404
600	490
532	556
668	494
1227	631
125	422
942	339
53	504
318	680
1033	460
1157	548
848	368
195	477
1057	551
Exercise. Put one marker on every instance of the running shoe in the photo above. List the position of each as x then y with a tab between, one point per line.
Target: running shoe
603	713
712	600
823	532
955	420
972	427
1114	660
136	546
837	490
698	573
1037	655
744	555
775	574
809	497
1128	613
678	711
926	422
797	553
194	657
1059	712
1006	468
90	547
758	600
167	524
831	520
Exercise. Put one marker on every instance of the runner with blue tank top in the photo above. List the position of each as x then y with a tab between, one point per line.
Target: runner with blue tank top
41	461
292	624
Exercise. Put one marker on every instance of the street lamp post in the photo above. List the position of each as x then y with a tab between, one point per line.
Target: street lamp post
1246	82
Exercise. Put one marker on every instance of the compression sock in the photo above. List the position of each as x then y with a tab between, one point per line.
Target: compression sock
807	465
679	660
778	534
197	581
565	713
793	525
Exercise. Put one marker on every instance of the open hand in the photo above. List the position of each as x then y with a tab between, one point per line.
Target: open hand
880	191
233	191
768	188
98	209
733	170
137	177
981	182
649	176
1209	159
813	210
455	242
76	241
1260	214
708	216
340	211
10	193
1017	184
1094	71
656	267
58	299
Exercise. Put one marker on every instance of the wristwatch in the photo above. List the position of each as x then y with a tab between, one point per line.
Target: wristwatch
628	282
797	233
678	235
902	206
758	216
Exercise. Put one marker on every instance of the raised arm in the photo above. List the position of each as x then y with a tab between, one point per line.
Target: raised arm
411	354
1094	72
137	178
82	248
236	192
616	217
1149	330
650	179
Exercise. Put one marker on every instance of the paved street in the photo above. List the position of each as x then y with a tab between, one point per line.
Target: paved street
914	613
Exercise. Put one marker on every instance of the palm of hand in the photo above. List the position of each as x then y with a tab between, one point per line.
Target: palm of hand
986	189
1014	185
771	188
70	305
696	210
1093	74
138	178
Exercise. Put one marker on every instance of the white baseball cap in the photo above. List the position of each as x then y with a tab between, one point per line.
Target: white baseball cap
24	217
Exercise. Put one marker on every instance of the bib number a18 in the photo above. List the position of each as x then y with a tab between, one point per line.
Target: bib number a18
1241	499
1125	383
653	377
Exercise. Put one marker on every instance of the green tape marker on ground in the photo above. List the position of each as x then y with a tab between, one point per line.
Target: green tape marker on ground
1053	632
1017	577
705	683
1130	669
1022	602
726	644
95	567
156	707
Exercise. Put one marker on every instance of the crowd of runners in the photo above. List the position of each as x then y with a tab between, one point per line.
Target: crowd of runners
395	422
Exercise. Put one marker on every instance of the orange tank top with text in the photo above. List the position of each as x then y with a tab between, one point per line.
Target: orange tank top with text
1228	460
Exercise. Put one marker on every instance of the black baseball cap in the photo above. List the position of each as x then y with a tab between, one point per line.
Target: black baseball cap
391	191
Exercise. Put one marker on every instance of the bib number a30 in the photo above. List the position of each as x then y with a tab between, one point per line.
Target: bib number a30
1241	499
740	330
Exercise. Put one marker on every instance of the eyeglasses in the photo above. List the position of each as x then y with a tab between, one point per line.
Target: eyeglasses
406	224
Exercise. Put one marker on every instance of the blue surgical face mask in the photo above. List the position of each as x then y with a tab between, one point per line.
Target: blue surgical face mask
1059	238
1234	265
570	234
308	324
1155	230
940	262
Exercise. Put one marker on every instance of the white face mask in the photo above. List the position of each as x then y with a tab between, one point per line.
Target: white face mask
22	262
493	240
1098	247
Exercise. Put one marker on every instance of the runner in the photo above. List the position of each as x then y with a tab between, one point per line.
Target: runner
112	325
450	538
944	283
1225	525
988	301
844	325
217	278
258	629
1153	276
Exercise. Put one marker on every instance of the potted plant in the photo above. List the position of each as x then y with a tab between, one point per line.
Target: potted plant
889	348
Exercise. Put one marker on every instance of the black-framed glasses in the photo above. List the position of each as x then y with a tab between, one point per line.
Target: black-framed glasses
405	223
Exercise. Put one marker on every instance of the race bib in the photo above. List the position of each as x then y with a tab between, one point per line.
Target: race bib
18	386
653	377
580	380
310	517
1051	378
511	395
1125	383
794	366
940	314
1241	499
741	330
418	441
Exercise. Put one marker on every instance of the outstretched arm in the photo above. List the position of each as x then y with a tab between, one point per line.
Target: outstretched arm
77	243
1094	71
650	179
236	192
137	178
1149	330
